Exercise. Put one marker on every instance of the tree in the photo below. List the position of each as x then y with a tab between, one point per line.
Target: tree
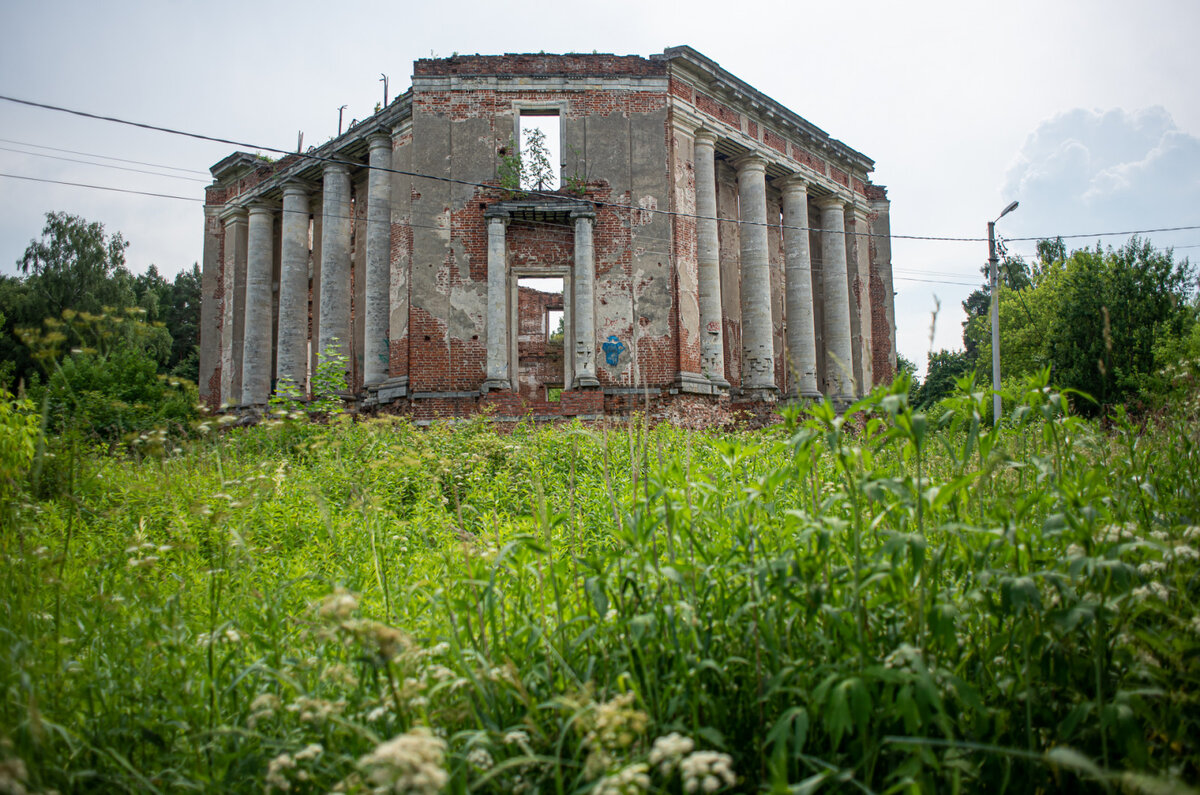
941	373
77	266
1104	320
906	366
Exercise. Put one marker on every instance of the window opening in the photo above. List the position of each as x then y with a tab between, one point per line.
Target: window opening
541	149
541	338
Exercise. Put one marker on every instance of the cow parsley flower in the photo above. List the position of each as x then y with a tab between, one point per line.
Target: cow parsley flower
408	763
668	751
707	771
630	780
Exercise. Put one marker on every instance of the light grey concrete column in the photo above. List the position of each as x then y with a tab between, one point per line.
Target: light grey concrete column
334	330
291	361
801	332
497	305
379	262
585	301
839	359
233	304
209	379
256	345
758	350
708	257
860	299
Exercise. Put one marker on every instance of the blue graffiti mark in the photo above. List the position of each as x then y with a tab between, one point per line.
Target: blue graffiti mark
612	351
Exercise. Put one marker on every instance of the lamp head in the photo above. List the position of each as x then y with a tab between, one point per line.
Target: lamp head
1007	210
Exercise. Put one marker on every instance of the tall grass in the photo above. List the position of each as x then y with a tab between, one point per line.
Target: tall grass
862	602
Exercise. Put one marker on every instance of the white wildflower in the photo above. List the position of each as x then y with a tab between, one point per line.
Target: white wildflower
1076	551
277	773
707	771
668	751
611	615
1151	567
338	606
617	724
311	751
13	776
408	763
1191	533
480	759
262	707
1195	625
627	781
1153	588
1159	535
1184	552
517	737
377	713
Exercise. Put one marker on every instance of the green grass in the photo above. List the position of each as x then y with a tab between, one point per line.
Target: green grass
861	603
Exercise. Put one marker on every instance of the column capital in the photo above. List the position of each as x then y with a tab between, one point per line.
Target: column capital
379	140
335	167
705	136
793	184
213	211
833	200
295	187
233	213
588	215
493	215
750	162
859	210
260	207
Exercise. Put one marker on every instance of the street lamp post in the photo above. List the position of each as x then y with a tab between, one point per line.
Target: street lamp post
994	264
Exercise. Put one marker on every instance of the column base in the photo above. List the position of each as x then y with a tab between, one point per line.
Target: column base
585	382
763	394
496	384
390	390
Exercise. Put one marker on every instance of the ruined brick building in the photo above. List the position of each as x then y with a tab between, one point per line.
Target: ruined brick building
706	244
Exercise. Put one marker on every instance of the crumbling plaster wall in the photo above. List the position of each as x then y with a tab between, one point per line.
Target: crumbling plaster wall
613	137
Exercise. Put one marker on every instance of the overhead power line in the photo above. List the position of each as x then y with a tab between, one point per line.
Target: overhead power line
105	157
101	165
103	187
470	183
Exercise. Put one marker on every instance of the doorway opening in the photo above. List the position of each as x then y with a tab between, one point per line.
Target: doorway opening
541	338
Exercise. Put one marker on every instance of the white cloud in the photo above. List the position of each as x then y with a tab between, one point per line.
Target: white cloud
1086	171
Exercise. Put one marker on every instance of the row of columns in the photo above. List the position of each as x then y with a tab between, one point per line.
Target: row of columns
758	354
248	266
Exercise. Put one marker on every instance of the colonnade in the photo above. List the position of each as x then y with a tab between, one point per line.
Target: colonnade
758	377
249	249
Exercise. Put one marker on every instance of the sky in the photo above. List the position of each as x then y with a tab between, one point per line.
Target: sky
1085	112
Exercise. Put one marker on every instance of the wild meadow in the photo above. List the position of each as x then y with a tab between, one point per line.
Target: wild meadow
884	601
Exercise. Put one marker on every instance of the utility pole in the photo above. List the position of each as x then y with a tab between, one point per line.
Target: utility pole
994	267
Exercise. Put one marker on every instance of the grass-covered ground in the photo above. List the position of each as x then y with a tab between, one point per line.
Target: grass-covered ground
864	603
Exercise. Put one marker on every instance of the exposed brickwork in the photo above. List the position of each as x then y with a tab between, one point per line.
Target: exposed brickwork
775	141
574	65
627	126
707	104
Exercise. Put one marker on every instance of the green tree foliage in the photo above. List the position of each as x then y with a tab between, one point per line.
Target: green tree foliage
109	386
942	372
77	267
1107	321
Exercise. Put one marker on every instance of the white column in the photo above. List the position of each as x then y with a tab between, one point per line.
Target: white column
801	331
334	328
379	250
860	304
497	305
210	309
291	361
758	349
585	298
256	347
839	360
712	350
233	304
